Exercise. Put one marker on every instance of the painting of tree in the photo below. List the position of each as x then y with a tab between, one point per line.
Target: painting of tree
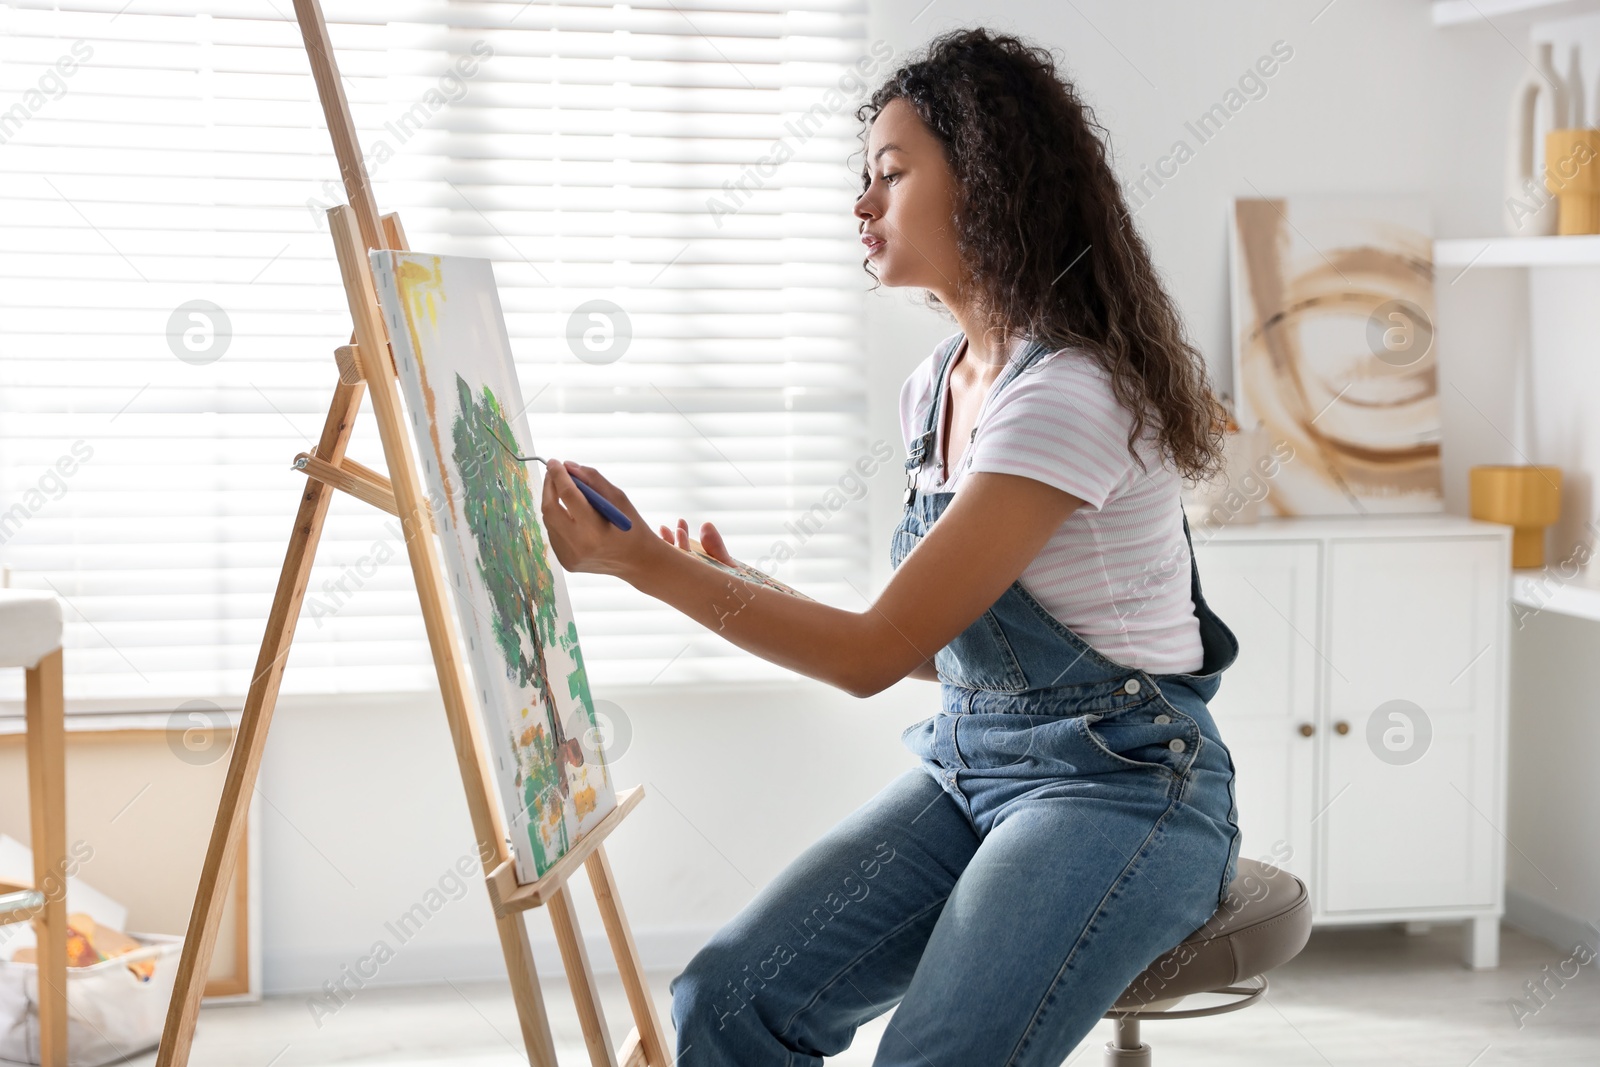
499	509
464	403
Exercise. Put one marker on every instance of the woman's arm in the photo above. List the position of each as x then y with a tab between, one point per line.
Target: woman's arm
986	538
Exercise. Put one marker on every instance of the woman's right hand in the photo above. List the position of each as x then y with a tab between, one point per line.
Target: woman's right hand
710	540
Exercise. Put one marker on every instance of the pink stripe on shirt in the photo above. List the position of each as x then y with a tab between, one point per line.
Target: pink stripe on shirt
1116	572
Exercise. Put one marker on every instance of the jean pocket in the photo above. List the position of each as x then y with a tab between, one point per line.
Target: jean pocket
1152	735
1001	741
980	657
916	737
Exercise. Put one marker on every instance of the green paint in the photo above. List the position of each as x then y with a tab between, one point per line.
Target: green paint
500	510
578	683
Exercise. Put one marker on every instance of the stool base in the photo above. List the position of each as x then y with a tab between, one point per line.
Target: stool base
1126	1050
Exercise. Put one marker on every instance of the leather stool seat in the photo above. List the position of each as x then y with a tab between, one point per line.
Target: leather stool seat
1265	921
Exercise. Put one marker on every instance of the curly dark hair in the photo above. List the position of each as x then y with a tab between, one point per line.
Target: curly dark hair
1047	244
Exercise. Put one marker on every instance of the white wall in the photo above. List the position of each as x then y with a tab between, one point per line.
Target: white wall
365	814
1374	98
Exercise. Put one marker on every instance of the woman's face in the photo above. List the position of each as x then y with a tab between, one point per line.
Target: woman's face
907	211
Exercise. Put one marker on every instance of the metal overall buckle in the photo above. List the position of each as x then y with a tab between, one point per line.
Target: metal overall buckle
919	448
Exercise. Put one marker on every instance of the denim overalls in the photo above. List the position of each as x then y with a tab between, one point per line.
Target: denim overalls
1072	818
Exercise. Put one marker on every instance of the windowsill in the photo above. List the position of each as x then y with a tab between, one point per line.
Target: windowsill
134	713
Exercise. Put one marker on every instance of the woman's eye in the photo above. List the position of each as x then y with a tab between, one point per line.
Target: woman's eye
889	178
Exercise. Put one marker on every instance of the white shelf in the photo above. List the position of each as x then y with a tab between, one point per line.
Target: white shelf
1467	12
1578	250
1340	527
1544	590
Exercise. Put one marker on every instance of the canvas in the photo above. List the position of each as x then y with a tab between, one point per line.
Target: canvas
466	410
1334	350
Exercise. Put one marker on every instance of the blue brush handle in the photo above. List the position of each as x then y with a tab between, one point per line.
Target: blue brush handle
603	506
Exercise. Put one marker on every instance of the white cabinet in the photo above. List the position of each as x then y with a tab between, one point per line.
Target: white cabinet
1366	713
1267	594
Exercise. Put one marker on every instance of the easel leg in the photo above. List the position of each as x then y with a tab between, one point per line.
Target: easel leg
580	977
525	992
244	765
620	934
47	800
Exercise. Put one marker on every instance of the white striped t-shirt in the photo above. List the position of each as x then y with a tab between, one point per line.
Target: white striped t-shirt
1116	572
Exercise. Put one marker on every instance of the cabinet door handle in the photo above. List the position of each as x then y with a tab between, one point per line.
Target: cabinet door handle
1306	729
1341	727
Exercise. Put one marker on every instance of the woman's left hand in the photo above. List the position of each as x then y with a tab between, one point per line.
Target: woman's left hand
582	538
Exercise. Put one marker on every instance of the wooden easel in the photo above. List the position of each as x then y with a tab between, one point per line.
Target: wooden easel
368	363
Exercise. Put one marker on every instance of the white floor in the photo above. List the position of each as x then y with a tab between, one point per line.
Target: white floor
1367	996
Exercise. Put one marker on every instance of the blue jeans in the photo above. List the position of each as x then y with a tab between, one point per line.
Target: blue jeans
1001	947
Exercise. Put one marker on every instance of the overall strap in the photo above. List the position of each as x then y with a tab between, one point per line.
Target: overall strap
922	444
1194	567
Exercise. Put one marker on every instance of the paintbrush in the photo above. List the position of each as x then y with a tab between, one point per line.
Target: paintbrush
601	504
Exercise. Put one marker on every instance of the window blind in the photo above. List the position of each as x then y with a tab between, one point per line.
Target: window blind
664	189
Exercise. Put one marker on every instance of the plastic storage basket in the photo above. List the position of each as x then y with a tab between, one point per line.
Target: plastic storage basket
111	1014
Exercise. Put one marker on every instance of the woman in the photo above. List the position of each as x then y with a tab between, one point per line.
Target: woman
1073	814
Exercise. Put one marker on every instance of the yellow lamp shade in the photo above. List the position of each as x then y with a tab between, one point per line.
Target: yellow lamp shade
1525	498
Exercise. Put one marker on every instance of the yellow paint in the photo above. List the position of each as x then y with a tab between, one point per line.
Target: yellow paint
583	800
421	288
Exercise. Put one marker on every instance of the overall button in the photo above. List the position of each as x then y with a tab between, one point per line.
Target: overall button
1176	744
1132	686
1162	720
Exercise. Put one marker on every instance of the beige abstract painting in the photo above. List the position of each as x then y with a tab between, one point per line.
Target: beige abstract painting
1334	349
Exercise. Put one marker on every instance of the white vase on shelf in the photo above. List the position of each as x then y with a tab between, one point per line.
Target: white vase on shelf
1538	105
1560	92
1573	88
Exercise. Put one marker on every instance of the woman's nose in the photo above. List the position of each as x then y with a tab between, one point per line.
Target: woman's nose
864	209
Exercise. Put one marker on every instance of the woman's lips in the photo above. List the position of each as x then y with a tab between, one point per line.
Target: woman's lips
872	243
